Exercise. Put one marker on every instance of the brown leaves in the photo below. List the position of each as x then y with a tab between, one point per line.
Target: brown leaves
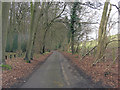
20	69
97	72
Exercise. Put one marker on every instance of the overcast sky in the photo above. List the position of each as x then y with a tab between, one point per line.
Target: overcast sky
114	13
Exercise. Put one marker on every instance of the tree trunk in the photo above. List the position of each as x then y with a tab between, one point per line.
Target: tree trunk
19	41
36	28
43	48
5	14
102	32
10	32
46	29
33	30
73	20
72	43
119	41
31	35
0	33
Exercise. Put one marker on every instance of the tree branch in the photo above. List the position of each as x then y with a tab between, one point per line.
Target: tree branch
111	42
115	6
91	5
56	17
88	52
59	14
78	23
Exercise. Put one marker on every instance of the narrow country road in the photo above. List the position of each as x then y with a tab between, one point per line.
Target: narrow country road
56	72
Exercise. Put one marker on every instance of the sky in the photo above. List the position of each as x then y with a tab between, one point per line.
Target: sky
115	30
114	13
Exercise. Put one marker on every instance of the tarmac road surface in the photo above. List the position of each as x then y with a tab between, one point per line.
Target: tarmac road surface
56	72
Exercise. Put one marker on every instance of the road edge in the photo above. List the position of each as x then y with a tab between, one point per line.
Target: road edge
25	79
84	75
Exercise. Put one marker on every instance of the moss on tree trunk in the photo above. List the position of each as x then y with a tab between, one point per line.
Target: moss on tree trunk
102	36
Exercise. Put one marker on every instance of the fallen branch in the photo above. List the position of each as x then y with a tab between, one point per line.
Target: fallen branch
88	52
95	47
96	61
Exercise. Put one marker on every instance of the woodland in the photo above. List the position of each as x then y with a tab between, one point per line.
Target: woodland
33	29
